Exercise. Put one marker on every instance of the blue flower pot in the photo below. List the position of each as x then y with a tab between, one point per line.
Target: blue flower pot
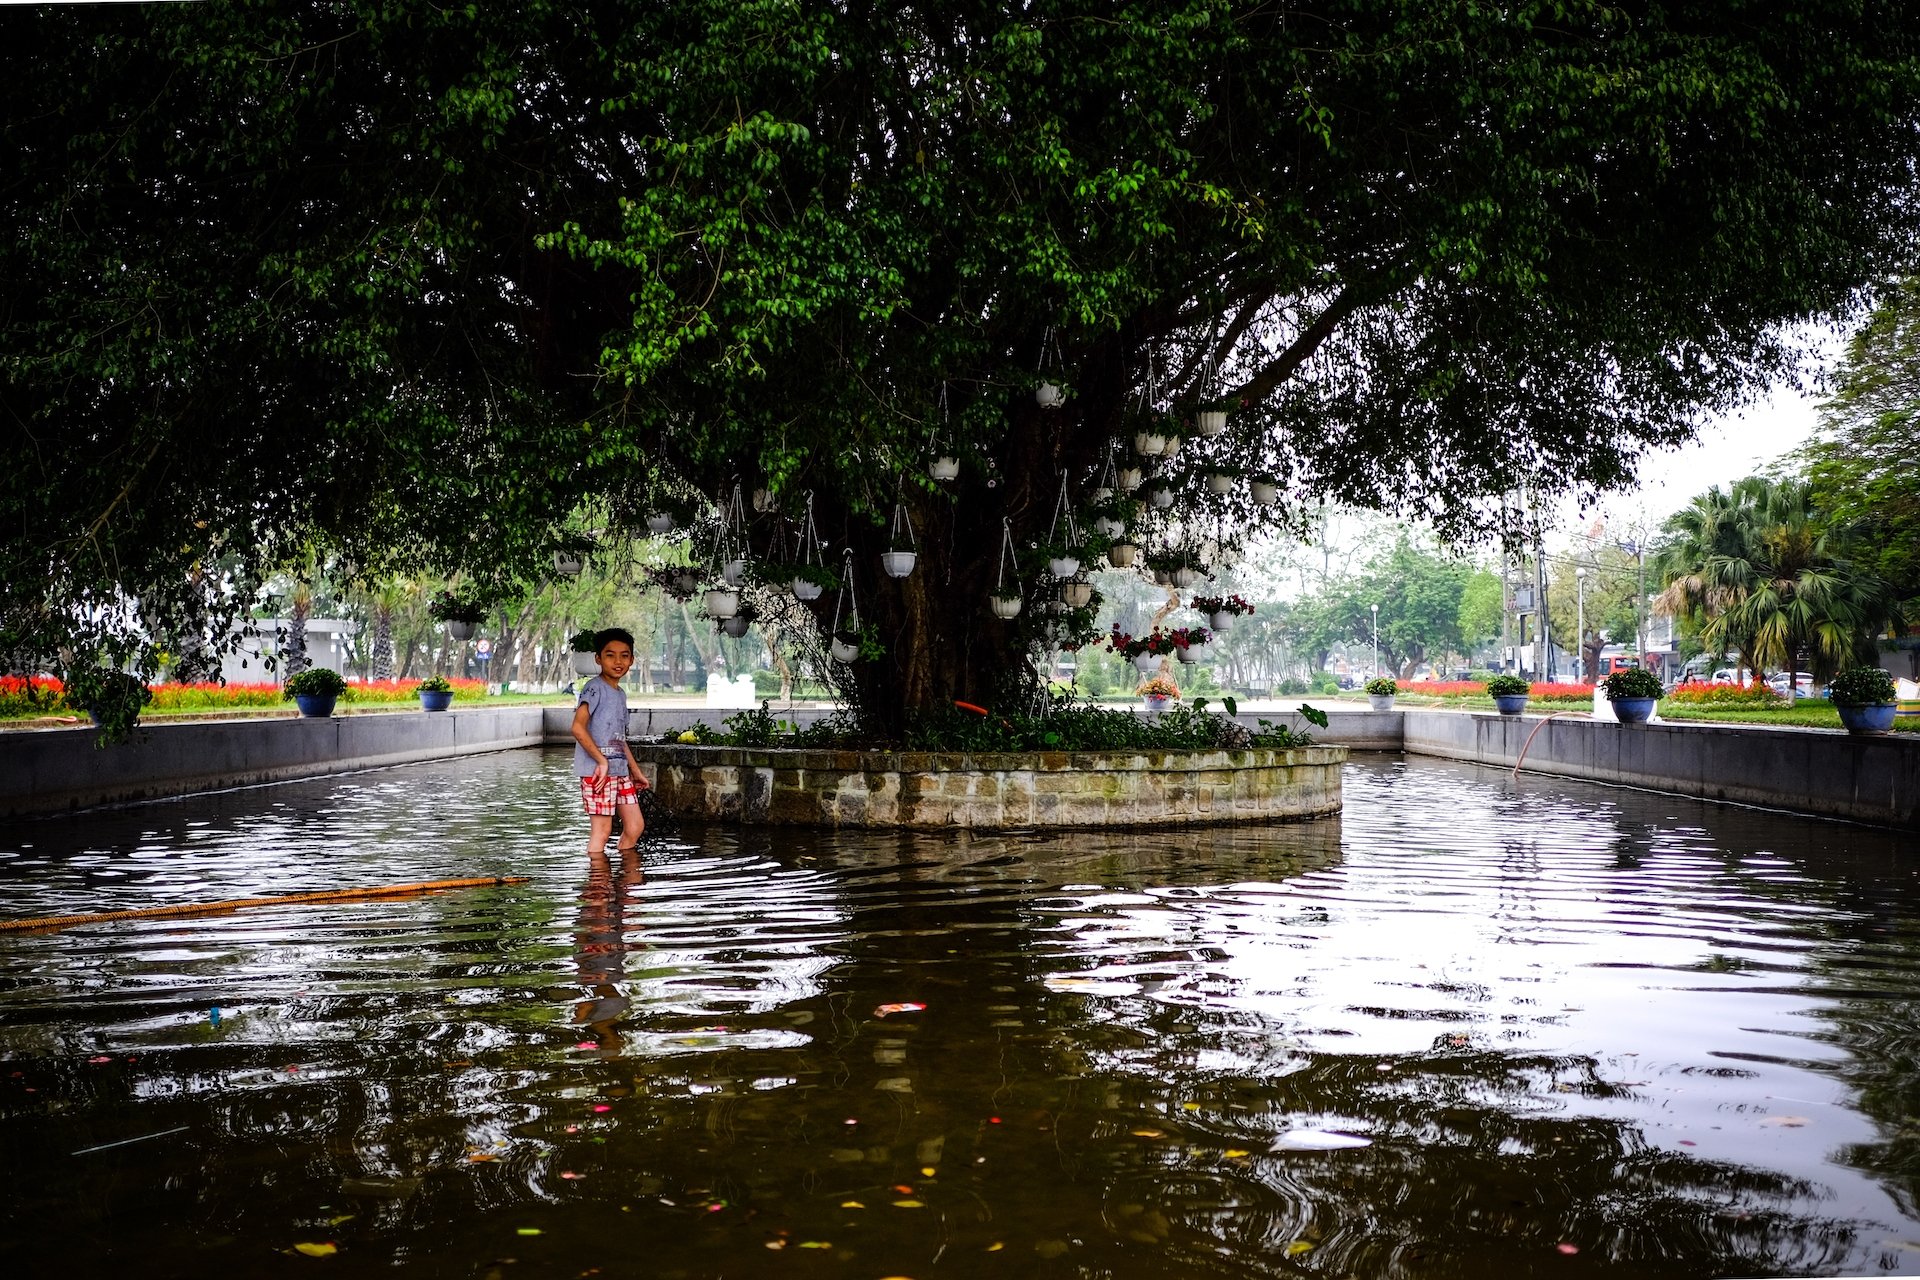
430	700
1633	710
315	706
1877	718
1510	704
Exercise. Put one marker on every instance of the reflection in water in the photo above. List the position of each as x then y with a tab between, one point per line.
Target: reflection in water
1678	1039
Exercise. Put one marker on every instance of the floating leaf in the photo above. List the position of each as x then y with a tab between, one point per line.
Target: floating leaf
317	1250
481	1157
526	1231
909	1204
1148	1133
816	1244
1299	1247
851	1204
1235	1153
995	1247
904	1006
1318	1140
1568	1249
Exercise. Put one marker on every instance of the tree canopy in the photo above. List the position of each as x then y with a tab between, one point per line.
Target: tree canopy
450	286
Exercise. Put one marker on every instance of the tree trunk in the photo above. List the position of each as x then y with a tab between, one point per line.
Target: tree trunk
293	658
382	668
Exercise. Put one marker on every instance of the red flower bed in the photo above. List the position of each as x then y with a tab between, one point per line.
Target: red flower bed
35	696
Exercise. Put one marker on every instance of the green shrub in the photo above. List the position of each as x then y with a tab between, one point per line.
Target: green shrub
1861	687
1507	686
435	684
1291	686
1633	682
1323	683
316	682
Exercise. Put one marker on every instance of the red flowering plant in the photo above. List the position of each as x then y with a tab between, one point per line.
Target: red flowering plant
1182	637
1159	643
1235	605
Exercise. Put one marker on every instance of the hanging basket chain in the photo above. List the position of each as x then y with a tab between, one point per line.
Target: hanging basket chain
1006	558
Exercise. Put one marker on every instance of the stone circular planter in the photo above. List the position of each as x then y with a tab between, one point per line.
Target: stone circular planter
1510	704
585	664
1633	710
315	706
882	789
1380	701
1873	718
435	700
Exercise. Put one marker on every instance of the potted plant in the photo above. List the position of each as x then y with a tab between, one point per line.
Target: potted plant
1865	698
810	581
1509	693
111	698
1221	610
1192	644
1145	651
1076	592
1005	602
721	602
583	650
1184	575
1049	395
1123	552
845	645
1633	691
461	615
734	571
1380	691
737	625
1150	439
315	690
1265	490
1160	493
1158	691
1210	419
1222	478
1063	561
568	564
1174	439
1130	477
944	467
436	693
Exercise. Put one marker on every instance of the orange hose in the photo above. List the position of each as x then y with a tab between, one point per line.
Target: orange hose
281	900
1536	733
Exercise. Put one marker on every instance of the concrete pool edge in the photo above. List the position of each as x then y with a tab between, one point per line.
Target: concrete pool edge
1819	774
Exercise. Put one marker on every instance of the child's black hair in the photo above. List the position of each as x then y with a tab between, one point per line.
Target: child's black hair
601	639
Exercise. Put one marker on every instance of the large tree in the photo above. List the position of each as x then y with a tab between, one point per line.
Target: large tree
438	284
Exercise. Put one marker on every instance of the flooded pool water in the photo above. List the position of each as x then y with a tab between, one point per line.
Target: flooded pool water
1473	1027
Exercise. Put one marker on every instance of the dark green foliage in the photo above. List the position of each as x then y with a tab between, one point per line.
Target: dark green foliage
1507	686
1630	683
315	682
1862	687
113	699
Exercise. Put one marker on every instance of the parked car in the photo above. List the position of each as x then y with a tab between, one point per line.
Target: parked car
1802	684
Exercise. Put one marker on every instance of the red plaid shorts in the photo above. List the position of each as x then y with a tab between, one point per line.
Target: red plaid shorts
601	800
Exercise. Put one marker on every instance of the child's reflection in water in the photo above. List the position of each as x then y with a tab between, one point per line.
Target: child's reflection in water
601	950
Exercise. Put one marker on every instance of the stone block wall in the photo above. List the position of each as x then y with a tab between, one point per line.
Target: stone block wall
1037	789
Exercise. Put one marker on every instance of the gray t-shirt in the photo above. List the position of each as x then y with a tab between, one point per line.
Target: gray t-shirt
607	724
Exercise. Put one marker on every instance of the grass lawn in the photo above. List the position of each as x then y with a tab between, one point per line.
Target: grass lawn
1806	715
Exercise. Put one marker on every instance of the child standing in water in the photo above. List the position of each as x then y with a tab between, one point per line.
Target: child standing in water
607	784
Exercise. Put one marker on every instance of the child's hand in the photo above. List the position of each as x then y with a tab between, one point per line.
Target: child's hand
599	773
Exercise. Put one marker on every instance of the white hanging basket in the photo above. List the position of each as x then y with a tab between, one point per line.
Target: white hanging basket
804	590
1063	566
1121	555
1100	495
1186	654
737	625
1146	663
586	664
566	564
1077	594
1220	482
1109	527
1004	606
659	522
722	604
1265	493
1222	621
686	582
464	631
944	468
1160	497
1171	447
734	572
1149	444
1210	422
1130	478
763	499
1185	576
898	564
843	652
1049	395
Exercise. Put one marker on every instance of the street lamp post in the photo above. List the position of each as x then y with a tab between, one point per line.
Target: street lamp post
1580	621
1376	641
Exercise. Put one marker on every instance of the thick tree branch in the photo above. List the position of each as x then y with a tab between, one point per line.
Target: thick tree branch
1278	370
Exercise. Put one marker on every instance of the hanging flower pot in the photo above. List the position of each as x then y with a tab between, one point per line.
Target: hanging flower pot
1077	594
845	647
1185	576
1100	495
585	664
902	545
567	564
459	630
1146	662
685	583
1149	444
1121	555
1163	577
1221	621
1160	496
1171	447
1220	481
722	603
1210	422
898	564
1187	655
1050	395
763	499
1265	493
805	590
944	467
1109	527
659	522
737	625
734	571
1004	606
1130	478
1063	566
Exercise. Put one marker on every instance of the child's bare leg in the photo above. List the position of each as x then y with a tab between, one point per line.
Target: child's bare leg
632	825
599	827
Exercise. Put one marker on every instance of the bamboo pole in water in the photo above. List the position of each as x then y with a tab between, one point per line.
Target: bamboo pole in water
235	904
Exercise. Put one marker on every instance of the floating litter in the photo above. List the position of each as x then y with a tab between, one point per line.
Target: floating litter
1318	1140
